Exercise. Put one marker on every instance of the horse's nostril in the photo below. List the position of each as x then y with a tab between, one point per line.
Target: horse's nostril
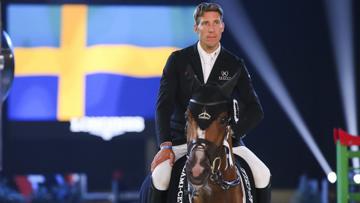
197	170
200	179
198	166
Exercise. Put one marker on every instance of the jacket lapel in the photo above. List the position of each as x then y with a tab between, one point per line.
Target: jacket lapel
196	63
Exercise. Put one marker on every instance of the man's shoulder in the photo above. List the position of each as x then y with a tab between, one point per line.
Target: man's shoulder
185	51
183	55
228	55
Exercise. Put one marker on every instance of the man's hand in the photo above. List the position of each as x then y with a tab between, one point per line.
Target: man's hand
164	154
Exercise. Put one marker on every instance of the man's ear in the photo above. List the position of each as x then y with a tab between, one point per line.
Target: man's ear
196	29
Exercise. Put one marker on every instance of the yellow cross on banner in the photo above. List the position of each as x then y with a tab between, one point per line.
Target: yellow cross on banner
73	60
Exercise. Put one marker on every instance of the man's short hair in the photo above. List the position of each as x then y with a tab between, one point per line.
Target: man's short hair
206	7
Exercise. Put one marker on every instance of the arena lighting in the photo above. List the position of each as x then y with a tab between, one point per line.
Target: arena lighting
332	177
107	127
339	15
246	37
340	22
356	178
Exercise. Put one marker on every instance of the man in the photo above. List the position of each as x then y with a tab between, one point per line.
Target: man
210	63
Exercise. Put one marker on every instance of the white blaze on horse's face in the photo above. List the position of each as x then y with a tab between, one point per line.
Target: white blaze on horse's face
198	168
199	156
199	163
200	133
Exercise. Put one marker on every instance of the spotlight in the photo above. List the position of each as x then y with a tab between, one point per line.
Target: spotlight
356	178
248	39
339	15
332	177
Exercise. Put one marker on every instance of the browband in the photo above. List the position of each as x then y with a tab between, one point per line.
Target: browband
208	103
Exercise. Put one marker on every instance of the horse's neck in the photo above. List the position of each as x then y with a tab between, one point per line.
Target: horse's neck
216	194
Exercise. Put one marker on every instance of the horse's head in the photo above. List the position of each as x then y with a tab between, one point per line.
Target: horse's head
208	115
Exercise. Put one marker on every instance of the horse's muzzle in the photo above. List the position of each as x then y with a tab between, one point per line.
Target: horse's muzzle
198	167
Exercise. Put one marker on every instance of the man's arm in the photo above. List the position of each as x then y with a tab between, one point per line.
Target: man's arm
164	109
250	110
166	100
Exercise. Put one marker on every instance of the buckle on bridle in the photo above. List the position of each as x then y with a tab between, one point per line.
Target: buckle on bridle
213	169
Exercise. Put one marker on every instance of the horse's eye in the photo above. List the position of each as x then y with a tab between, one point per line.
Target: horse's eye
223	120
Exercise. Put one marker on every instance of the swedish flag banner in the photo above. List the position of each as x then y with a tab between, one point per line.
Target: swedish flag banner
79	60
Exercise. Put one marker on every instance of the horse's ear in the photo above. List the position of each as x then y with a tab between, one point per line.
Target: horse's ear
228	87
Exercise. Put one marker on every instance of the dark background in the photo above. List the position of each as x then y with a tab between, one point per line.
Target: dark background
297	38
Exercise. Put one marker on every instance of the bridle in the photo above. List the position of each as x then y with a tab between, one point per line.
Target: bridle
216	174
214	153
206	104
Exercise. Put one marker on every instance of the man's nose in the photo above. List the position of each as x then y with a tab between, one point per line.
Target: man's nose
211	28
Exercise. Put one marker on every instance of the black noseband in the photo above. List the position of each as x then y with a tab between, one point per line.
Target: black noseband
211	150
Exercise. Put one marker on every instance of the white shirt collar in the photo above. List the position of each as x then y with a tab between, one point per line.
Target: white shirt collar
207	60
203	53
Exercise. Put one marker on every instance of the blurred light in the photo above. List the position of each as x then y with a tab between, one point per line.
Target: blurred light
356	178
107	127
35	181
75	177
340	21
332	177
246	37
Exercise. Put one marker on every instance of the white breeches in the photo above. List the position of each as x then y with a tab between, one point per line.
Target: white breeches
162	173
260	171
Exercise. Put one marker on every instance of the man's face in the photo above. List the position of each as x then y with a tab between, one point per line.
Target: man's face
209	29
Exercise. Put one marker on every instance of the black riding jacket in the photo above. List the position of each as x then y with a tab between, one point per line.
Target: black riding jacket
176	88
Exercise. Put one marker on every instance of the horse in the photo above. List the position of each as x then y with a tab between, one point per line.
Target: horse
210	172
210	167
